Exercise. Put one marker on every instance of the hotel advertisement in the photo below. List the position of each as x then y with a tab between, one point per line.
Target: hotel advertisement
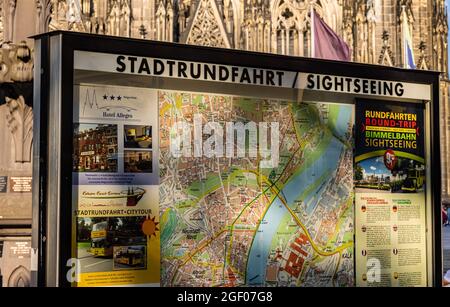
115	186
390	242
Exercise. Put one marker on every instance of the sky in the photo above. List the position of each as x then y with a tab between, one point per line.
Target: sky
447	3
375	167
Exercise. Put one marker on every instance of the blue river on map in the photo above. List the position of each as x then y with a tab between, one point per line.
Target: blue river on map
327	162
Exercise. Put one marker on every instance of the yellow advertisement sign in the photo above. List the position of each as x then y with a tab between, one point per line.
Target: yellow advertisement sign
118	246
115	192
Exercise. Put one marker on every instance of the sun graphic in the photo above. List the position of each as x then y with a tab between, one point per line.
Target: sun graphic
150	227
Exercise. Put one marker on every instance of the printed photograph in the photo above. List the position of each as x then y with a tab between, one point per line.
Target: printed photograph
137	136
130	257
95	148
372	175
137	161
97	238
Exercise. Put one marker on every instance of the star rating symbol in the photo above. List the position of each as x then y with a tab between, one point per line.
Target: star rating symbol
112	97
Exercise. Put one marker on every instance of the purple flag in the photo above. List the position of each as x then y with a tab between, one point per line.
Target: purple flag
327	44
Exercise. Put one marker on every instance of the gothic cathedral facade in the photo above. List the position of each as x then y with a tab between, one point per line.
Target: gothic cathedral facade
372	29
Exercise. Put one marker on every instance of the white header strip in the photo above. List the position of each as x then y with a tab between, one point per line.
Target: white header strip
247	75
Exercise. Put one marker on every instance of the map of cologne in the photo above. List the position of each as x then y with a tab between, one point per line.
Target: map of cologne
228	222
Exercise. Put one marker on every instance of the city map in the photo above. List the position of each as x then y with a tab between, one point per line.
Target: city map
227	221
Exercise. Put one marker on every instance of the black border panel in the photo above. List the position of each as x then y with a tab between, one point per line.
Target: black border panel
117	45
65	251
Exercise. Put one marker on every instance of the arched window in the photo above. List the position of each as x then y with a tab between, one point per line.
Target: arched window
291	24
20	277
125	20
114	20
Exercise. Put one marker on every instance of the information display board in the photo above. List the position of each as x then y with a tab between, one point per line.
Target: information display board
237	190
187	168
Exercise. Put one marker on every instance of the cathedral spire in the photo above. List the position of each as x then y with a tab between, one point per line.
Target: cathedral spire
440	42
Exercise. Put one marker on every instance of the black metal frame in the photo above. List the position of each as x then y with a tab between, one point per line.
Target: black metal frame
72	41
41	151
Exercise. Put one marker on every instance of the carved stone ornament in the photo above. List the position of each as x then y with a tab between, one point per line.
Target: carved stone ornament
22	63
3	69
207	29
20	123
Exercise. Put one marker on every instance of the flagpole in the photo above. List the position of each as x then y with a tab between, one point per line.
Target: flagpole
404	37
404	23
313	47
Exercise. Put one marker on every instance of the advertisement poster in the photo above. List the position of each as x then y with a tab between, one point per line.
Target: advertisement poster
255	192
115	192
390	194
